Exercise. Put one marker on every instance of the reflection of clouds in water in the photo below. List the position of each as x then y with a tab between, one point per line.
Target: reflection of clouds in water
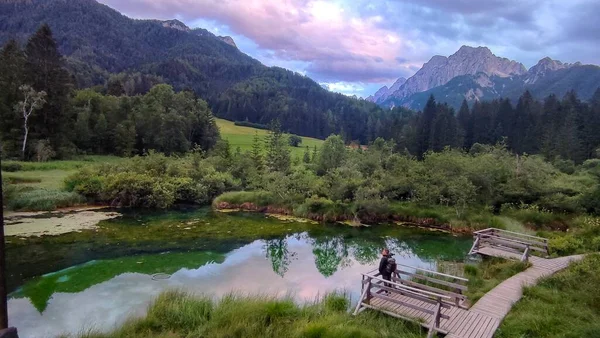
245	270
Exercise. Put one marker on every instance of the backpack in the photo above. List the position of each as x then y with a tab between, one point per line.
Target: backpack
391	265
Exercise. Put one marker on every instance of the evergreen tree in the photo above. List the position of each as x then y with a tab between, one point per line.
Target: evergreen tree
101	134
466	125
278	154
306	157
521	123
483	123
425	127
445	129
45	72
552	122
256	152
12	71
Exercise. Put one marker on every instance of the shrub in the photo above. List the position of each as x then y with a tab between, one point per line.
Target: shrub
295	140
11	166
152	181
565	245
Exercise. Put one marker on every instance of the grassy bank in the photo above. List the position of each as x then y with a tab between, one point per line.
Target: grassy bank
176	314
323	209
242	137
488	274
564	305
40	186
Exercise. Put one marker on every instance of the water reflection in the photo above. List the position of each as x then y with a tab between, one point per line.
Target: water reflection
103	293
277	251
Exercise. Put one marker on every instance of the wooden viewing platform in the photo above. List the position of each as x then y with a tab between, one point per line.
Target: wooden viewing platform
435	300
508	244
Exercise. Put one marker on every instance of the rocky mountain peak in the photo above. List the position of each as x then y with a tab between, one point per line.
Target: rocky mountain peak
228	40
384	92
543	67
175	24
466	61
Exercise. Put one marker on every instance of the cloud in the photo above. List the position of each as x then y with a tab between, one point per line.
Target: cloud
369	42
337	44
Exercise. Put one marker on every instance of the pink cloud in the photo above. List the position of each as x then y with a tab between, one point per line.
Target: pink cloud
336	44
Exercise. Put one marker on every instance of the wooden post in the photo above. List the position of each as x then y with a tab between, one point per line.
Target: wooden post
475	245
368	292
3	299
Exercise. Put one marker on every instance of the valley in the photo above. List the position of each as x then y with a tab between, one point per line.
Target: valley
158	180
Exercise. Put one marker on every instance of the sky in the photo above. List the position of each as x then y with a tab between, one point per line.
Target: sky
357	46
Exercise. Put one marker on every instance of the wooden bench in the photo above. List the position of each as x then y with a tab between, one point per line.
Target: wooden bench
521	245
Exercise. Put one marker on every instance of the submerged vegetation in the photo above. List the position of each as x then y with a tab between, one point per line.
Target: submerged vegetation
176	314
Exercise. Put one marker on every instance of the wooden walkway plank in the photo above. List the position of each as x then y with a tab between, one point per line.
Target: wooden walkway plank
484	317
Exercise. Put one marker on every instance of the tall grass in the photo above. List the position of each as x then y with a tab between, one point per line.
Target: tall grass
488	274
258	198
13	166
176	314
564	305
31	199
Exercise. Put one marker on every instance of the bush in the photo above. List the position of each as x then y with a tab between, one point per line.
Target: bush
565	245
295	140
153	181
11	166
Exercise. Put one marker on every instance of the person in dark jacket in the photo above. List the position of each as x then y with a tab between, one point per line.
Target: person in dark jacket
383	266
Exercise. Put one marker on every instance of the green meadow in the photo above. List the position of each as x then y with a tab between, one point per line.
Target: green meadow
242	137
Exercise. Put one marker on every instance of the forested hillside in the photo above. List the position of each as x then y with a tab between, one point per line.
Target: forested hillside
103	47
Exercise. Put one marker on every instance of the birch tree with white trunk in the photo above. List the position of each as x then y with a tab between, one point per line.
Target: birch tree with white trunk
32	101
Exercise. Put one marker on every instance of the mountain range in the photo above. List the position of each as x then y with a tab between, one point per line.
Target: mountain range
475	73
100	46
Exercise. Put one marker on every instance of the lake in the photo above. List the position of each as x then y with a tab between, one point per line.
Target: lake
96	279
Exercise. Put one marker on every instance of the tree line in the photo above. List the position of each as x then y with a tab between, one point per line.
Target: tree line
43	116
561	129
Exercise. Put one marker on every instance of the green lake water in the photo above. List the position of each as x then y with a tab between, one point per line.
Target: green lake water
97	279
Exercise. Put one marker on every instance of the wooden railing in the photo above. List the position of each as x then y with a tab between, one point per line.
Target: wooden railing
399	291
510	241
427	280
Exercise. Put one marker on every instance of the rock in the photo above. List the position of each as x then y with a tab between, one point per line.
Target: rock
228	40
543	67
466	61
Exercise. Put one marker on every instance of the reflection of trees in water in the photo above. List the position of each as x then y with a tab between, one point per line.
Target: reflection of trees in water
330	253
333	252
399	248
366	251
277	251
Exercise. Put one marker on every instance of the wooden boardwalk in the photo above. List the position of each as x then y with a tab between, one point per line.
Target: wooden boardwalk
483	318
